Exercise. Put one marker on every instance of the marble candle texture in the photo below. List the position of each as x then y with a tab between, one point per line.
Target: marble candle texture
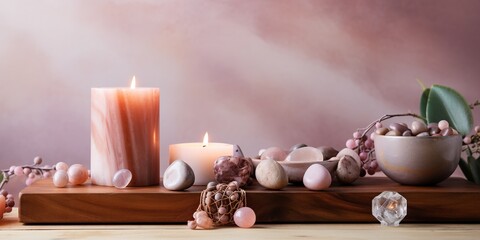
125	135
200	158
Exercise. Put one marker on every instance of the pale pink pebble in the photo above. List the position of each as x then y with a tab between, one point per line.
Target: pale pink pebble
244	217
77	174
204	222
443	124
18	171
317	177
200	214
61	166
60	178
122	178
274	153
192	224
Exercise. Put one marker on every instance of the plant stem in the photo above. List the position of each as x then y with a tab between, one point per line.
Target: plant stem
473	105
7	174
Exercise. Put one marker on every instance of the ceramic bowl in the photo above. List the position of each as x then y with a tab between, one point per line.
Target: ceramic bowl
418	160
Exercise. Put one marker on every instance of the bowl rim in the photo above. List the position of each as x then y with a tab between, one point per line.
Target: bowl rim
415	137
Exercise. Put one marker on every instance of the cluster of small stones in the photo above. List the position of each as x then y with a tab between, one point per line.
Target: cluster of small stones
418	129
219	201
232	168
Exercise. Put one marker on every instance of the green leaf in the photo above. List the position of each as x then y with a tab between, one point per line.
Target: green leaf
445	103
465	169
423	102
474	165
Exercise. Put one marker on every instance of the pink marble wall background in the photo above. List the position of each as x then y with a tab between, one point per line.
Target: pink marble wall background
253	73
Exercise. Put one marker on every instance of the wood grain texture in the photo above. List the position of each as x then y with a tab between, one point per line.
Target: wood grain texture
454	200
11	228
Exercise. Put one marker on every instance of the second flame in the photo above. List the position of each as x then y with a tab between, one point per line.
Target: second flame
205	139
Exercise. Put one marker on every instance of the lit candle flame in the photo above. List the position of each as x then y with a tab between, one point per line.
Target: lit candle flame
205	139
132	85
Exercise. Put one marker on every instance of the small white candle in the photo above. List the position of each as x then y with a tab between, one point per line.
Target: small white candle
200	157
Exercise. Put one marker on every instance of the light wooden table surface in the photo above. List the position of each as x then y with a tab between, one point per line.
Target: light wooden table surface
12	229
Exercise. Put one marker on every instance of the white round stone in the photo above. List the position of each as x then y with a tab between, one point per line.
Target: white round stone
178	176
270	174
60	178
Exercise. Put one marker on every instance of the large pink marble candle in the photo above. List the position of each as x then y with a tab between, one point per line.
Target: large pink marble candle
125	134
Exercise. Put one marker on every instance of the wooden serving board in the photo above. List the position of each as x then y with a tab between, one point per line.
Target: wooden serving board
454	200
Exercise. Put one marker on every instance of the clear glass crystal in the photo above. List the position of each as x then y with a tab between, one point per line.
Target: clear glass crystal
389	208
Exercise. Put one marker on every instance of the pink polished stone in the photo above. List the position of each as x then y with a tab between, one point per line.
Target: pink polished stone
244	217
204	222
77	174
60	178
122	178
274	153
317	177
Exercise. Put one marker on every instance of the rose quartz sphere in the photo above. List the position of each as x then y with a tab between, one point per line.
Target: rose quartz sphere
317	177
244	217
77	174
